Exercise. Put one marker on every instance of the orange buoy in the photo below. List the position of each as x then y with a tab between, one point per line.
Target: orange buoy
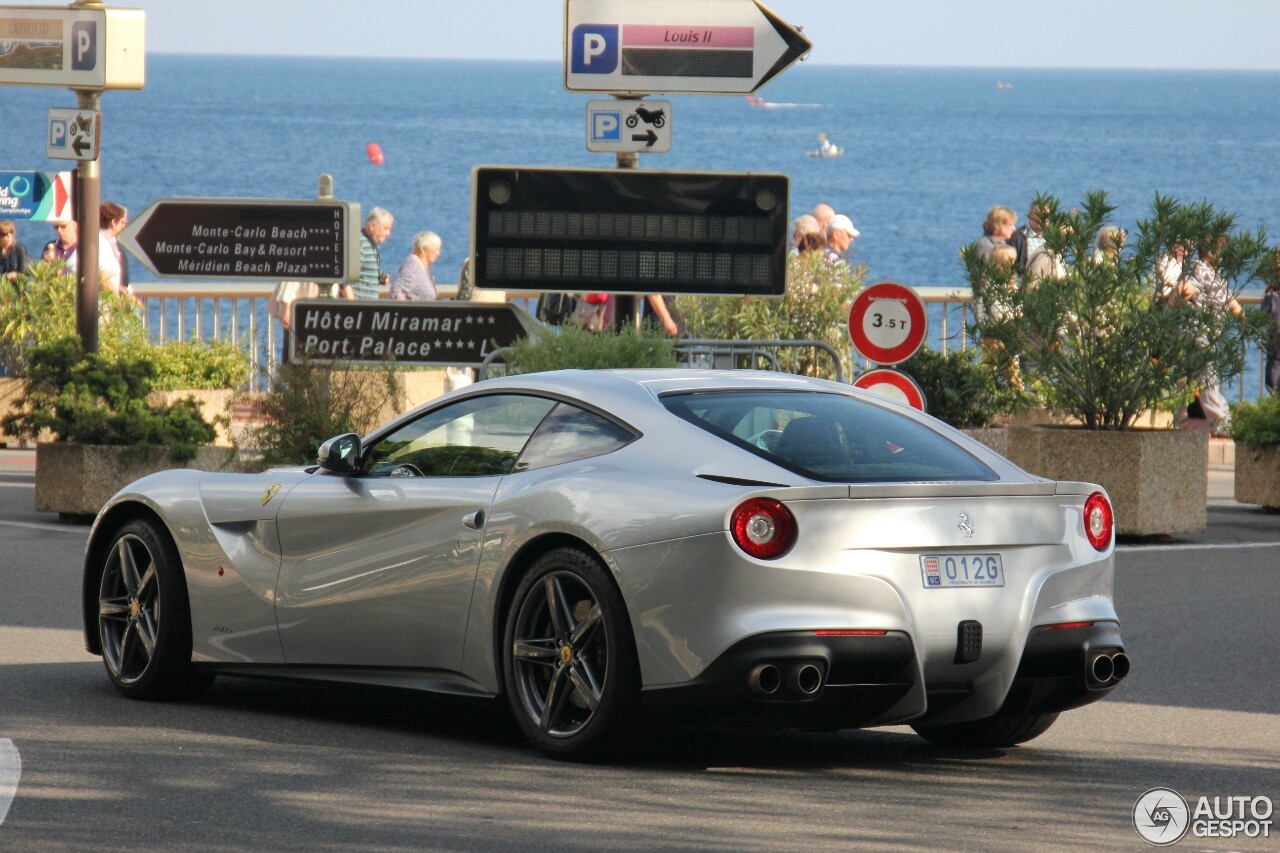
374	150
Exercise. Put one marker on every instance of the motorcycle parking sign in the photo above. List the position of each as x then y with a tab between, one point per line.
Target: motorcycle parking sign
629	126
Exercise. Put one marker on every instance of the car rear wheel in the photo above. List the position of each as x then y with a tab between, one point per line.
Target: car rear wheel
569	660
144	619
993	732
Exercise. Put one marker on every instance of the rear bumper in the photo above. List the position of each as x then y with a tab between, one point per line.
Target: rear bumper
872	680
862	677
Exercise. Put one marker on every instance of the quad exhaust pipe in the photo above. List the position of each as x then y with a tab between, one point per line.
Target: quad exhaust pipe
764	679
1109	668
796	680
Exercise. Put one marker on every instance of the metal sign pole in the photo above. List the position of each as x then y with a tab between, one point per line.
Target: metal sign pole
88	197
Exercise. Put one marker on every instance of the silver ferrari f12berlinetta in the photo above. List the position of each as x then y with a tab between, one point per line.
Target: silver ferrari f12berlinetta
599	548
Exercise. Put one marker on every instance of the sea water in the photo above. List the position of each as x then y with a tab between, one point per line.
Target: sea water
927	151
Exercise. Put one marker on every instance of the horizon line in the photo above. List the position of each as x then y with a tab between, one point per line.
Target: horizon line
911	66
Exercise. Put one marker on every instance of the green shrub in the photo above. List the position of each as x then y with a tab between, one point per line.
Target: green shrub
199	364
309	403
815	307
1097	343
1257	423
98	399
575	347
961	391
41	309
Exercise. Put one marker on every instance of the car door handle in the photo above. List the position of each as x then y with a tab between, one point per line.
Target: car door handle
474	520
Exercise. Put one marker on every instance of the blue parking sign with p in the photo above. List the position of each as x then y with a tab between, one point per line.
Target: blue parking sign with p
58	133
606	126
594	49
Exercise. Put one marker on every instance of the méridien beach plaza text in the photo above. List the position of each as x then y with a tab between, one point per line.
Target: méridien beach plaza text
243	250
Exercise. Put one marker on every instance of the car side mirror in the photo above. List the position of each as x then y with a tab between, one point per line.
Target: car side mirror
340	454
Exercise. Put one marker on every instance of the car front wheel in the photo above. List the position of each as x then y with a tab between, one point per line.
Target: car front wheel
144	620
993	732
569	661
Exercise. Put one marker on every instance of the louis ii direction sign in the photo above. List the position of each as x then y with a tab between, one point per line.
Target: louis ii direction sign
727	47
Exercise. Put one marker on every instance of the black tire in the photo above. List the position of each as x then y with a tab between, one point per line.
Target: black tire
993	732
144	618
568	659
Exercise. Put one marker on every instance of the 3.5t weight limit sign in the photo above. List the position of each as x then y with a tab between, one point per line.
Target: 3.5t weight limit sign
887	323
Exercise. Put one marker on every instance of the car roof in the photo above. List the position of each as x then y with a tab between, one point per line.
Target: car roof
658	381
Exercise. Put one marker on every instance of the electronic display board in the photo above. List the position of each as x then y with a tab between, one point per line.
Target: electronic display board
629	231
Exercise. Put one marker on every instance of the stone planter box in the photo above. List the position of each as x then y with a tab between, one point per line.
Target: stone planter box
1157	479
1258	475
78	479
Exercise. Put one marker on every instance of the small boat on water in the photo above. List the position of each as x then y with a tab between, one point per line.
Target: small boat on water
826	148
1004	86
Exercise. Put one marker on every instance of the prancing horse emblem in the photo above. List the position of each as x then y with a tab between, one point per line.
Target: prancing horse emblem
965	527
270	493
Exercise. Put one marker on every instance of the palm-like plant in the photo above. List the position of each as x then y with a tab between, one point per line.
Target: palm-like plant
1099	341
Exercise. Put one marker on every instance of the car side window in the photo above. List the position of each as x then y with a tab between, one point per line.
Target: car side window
475	437
569	434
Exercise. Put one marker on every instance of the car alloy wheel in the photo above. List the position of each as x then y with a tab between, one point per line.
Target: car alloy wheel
129	609
144	619
561	654
570	667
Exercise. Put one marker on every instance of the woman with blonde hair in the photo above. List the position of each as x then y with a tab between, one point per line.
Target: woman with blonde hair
996	229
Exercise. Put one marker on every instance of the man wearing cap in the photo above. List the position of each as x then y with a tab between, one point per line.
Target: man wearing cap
840	236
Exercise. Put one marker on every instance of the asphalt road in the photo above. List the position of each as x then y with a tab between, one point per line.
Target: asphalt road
266	766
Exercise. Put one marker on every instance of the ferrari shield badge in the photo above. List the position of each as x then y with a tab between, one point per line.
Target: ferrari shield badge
270	493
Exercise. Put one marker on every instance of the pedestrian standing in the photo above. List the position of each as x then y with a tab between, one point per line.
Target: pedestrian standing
377	228
13	255
414	279
68	241
1271	307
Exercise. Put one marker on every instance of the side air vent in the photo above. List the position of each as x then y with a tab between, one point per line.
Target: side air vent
738	481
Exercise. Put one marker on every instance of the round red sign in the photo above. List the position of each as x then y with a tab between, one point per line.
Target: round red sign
887	323
892	385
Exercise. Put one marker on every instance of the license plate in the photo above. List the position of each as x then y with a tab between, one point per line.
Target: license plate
943	570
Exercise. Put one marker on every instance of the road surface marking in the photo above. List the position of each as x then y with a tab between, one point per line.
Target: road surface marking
1226	546
56	528
10	770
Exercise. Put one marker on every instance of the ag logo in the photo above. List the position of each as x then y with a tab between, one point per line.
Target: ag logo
1161	816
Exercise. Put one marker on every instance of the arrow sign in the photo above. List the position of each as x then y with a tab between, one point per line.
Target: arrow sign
615	125
73	134
409	332
725	47
247	239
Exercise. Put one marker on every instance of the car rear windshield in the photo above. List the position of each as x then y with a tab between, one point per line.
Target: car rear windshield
830	437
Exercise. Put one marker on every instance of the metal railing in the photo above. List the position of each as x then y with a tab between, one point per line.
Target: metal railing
237	312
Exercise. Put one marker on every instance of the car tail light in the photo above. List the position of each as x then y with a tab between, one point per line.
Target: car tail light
1099	521
849	632
763	528
1068	625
